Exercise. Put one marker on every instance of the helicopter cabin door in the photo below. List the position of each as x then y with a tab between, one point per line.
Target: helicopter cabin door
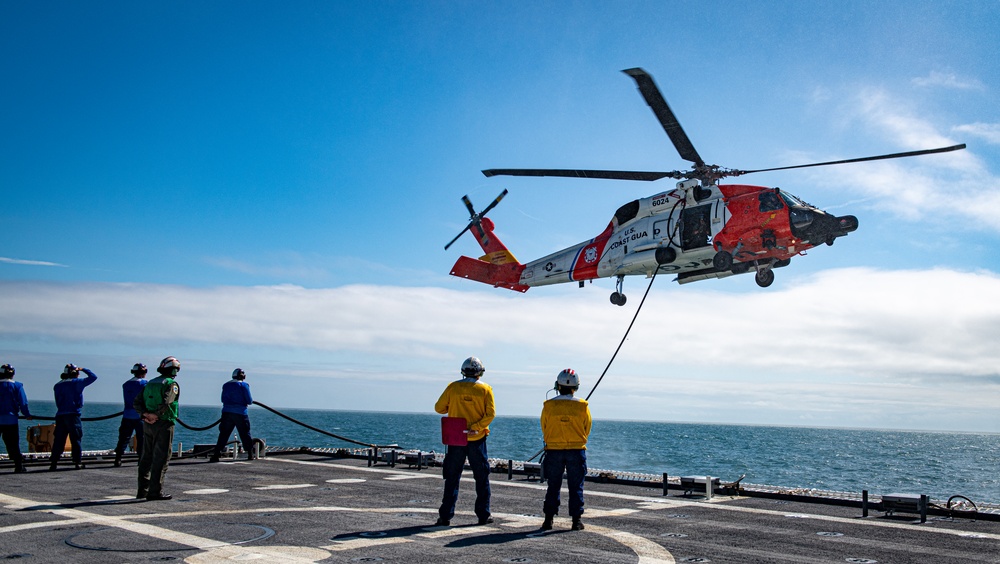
696	230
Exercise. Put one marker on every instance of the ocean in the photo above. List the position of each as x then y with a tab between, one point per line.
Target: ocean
939	464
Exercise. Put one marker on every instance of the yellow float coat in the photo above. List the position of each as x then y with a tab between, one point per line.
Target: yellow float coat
565	424
471	400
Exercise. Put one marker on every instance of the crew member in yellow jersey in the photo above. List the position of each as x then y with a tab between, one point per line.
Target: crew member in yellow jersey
565	427
472	400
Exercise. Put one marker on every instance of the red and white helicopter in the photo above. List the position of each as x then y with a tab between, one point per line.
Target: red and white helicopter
698	230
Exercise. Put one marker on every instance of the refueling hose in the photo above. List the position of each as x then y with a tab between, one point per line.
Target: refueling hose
207	427
625	336
322	432
190	428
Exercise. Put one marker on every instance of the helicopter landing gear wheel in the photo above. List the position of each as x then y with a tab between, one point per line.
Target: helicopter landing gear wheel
764	278
830	240
722	260
618	297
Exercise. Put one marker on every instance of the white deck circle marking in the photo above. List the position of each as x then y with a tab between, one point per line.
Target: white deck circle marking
285	486
263	553
346	481
206	491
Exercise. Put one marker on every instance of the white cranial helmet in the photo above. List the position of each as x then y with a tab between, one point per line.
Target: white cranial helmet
568	378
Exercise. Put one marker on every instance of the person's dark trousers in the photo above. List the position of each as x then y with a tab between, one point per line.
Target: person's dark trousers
574	462
454	463
67	425
12	440
125	430
229	422
158	441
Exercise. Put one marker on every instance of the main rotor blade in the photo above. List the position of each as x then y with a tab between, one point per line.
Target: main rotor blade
576	173
663	113
861	159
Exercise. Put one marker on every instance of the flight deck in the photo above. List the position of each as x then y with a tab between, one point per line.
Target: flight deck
306	506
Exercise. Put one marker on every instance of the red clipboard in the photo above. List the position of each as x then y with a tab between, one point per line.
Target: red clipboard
454	431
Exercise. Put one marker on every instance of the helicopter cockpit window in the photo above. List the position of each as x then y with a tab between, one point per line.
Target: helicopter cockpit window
799	213
792	201
769	201
627	212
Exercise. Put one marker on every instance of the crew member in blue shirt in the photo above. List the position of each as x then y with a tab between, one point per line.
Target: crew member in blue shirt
12	400
69	402
131	420
235	400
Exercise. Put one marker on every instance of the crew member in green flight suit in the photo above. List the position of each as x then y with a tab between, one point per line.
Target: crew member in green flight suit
158	406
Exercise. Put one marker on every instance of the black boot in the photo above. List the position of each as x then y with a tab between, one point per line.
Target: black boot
577	524
547	523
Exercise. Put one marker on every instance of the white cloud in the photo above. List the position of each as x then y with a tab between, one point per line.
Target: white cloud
30	262
827	350
947	80
892	323
912	188
988	131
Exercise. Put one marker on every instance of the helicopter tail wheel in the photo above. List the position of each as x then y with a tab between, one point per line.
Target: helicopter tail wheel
764	278
722	260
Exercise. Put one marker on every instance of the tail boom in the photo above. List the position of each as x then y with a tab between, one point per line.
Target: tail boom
497	275
497	267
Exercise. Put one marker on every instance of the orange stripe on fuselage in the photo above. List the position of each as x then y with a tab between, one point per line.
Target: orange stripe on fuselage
590	255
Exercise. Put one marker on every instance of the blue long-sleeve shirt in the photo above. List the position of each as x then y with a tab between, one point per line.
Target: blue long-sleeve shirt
12	400
236	397
69	393
130	389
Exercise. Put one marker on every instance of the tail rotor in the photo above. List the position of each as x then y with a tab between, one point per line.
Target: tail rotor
475	219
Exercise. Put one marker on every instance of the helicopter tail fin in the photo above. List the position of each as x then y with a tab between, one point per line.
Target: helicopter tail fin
497	267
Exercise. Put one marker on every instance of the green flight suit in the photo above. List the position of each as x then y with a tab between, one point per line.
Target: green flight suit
160	396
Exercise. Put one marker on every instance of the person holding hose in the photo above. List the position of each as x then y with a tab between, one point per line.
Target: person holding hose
236	399
12	400
131	423
69	403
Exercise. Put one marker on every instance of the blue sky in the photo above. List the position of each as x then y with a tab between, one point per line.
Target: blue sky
271	187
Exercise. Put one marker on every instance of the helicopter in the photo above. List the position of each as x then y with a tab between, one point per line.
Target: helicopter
699	230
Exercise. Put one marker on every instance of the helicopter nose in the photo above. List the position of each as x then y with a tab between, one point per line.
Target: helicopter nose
847	223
